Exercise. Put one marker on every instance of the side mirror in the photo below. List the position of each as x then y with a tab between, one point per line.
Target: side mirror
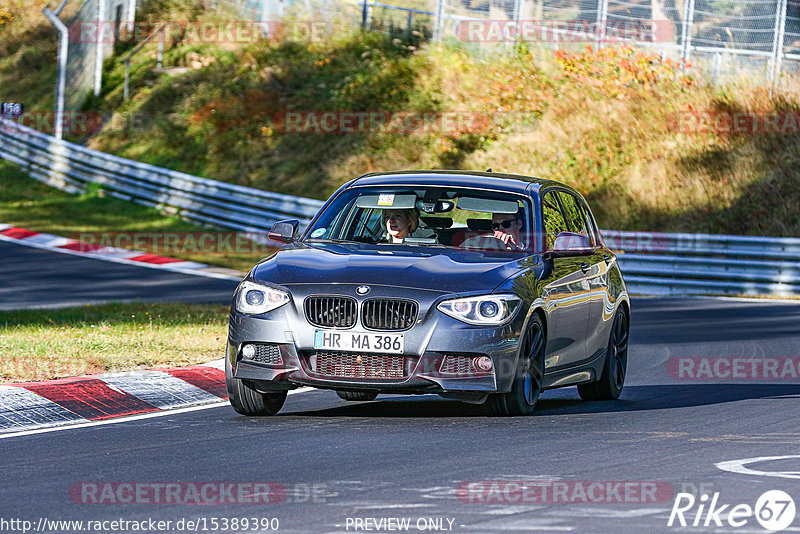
571	244
284	231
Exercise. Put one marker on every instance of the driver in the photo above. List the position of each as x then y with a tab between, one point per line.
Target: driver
399	224
507	227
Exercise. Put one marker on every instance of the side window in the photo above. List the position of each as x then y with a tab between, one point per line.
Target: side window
576	218
592	225
554	222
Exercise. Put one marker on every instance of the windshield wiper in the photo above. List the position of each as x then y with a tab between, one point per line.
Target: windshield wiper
319	240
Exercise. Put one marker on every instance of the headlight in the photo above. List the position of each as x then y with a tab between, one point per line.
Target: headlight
254	299
486	310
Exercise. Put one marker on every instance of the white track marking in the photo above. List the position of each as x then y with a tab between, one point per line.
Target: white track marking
738	466
122	261
129	418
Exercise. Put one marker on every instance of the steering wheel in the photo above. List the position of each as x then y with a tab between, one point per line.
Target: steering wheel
485	242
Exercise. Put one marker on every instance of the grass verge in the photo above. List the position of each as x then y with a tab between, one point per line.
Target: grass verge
30	204
111	337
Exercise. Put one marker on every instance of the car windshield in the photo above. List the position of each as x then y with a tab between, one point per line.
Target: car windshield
466	219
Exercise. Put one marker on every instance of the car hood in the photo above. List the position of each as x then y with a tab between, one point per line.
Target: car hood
437	269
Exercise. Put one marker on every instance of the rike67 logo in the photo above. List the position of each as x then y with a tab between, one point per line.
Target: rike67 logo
774	510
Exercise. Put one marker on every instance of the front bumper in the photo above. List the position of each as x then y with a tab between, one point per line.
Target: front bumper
433	338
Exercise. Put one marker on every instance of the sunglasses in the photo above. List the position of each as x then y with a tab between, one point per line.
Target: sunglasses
505	224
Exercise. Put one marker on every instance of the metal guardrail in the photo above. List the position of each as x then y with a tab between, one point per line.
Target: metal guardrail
71	167
653	263
656	263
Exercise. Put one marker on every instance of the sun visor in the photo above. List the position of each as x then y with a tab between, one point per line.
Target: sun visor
487	205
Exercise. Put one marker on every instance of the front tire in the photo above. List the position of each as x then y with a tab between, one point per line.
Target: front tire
357	395
246	400
612	380
524	394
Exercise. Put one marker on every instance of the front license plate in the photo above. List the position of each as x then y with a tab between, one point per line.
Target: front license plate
358	341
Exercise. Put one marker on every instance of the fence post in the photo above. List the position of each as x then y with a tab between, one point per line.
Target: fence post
517	15
777	43
61	78
131	15
366	15
602	16
160	56
687	30
717	66
98	50
438	20
127	87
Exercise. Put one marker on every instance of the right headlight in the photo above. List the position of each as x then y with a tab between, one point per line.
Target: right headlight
484	310
255	299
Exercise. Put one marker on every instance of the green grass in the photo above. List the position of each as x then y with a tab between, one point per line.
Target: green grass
46	344
30	204
28	46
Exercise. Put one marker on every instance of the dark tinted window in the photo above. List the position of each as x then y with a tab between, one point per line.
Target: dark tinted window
554	222
576	217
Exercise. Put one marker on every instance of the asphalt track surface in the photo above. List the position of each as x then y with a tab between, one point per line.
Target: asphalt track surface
36	278
404	457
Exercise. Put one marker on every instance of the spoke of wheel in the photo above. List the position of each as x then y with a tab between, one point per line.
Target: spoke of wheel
620	348
537	342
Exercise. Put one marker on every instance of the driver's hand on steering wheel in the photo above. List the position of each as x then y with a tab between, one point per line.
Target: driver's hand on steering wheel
507	239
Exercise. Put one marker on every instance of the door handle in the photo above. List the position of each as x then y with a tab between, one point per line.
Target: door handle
584	267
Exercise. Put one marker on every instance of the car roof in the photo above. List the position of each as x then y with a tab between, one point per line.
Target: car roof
513	183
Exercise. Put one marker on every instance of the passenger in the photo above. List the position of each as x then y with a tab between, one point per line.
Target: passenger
400	224
507	227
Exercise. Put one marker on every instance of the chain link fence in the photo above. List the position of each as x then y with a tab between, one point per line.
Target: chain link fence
84	42
723	37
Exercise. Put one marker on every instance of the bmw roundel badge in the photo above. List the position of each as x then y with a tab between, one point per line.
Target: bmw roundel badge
362	290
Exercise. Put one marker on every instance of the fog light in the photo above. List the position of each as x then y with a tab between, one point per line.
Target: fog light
248	351
483	363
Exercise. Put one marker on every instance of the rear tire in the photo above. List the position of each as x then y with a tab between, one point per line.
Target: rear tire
357	395
524	394
248	401
612	380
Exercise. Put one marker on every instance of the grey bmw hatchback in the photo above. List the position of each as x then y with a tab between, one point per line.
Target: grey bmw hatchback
482	287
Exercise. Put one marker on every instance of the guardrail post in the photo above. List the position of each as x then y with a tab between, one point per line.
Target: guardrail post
61	77
717	67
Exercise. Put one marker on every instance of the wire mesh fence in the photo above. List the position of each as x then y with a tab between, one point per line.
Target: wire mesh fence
723	37
91	34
